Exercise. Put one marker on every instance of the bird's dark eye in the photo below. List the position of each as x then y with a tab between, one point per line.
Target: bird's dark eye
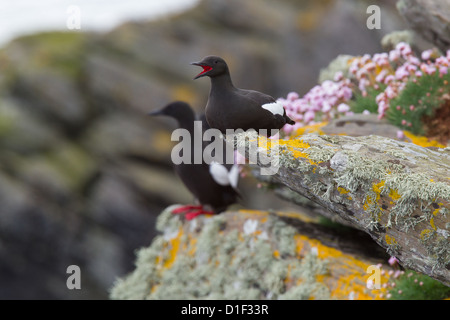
216	62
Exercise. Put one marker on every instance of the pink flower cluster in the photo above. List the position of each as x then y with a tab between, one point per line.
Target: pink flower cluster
389	70
322	103
393	70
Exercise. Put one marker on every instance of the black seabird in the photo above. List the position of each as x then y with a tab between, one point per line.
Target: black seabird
229	107
214	184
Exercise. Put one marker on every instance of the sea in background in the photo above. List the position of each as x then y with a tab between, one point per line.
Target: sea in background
22	17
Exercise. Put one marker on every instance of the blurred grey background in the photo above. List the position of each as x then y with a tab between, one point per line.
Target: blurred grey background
83	171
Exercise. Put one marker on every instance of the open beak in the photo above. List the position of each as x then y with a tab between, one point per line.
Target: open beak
205	67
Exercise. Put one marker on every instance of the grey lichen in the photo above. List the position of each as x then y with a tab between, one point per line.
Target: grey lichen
377	184
249	264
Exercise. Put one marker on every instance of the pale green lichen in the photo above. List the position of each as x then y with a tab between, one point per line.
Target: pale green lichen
308	270
415	192
225	265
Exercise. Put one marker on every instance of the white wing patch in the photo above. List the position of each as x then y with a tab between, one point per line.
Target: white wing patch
274	107
222	176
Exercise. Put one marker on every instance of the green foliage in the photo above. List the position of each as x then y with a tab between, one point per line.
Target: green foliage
418	99
360	103
416	286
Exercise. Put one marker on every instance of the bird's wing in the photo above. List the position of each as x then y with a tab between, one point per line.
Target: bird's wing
274	108
265	101
222	176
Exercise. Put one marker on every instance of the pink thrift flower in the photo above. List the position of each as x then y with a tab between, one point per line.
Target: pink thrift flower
338	76
400	135
390	93
389	79
309	116
292	96
411	68
353	69
442	61
343	107
404	122
287	129
392	261
401	73
380	76
326	107
443	70
394	55
414	60
427	54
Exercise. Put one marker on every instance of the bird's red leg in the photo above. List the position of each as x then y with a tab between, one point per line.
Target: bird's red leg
193	214
187	208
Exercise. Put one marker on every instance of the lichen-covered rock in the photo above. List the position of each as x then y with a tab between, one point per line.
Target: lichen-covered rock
251	255
397	192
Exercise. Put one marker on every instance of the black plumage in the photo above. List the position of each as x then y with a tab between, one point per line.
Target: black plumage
199	178
229	107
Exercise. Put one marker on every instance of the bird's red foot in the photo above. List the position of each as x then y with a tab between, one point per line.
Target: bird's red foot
190	211
186	209
191	215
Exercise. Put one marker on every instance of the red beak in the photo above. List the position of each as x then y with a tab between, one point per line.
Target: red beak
205	67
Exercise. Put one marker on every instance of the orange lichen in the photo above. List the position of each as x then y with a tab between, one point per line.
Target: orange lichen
294	146
342	190
348	276
377	188
425	234
432	224
174	245
394	194
422	141
314	128
390	240
252	212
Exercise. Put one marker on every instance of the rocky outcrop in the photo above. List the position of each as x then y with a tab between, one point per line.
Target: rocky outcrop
254	255
397	192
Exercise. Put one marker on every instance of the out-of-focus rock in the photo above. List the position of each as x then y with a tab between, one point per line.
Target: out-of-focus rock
429	18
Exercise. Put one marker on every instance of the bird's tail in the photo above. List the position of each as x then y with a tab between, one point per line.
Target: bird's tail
289	120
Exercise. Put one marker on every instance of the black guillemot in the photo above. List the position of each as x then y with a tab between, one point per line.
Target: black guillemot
229	107
213	184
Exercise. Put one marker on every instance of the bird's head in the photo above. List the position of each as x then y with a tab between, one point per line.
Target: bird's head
179	110
213	66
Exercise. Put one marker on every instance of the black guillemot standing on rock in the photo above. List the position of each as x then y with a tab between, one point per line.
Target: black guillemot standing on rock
214	184
229	107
